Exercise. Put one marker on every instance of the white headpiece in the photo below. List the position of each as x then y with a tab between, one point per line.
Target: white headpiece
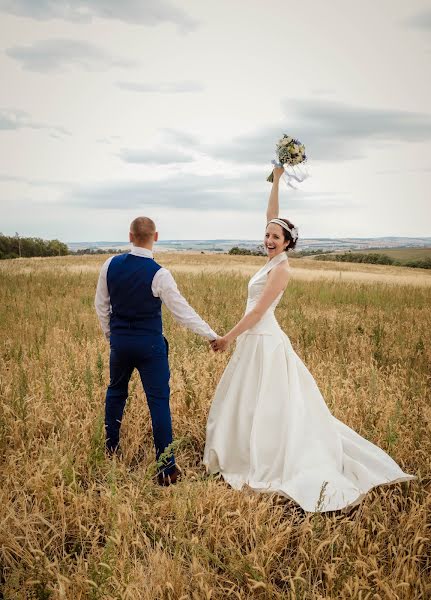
292	230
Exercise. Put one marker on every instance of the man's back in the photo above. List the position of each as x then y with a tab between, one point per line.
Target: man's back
134	308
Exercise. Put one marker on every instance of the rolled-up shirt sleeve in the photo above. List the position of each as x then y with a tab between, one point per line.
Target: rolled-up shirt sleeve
102	301
165	288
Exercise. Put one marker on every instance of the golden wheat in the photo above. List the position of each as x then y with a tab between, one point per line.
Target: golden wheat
76	525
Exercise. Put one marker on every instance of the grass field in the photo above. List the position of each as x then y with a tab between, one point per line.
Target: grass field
77	525
402	254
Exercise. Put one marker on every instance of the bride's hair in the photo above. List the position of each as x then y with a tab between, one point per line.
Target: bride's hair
287	235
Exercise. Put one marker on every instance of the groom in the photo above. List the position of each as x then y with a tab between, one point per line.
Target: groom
129	297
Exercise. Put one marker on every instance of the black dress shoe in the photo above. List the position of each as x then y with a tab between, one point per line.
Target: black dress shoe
170	479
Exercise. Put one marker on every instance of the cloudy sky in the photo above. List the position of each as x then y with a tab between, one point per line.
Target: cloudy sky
109	110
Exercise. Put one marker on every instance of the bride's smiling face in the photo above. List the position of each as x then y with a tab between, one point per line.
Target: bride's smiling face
274	240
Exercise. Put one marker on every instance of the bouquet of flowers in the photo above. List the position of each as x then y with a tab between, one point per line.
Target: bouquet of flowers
290	153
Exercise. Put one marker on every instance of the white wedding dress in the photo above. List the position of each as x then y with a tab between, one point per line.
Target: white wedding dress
270	429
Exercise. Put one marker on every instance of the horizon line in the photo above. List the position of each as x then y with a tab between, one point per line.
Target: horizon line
160	242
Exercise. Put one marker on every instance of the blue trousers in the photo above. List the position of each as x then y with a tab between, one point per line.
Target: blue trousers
149	355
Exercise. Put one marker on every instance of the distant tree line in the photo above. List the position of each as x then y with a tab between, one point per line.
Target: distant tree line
258	251
376	259
16	247
302	253
420	263
81	251
357	257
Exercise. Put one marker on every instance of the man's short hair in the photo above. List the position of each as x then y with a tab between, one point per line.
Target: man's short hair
143	228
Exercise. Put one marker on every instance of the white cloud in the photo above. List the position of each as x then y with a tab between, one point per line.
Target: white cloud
12	119
149	12
331	131
182	138
33	183
59	54
420	20
160	157
166	87
193	192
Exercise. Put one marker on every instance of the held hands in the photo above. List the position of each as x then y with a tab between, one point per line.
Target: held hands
220	344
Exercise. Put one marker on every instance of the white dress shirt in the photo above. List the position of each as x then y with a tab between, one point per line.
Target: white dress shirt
164	287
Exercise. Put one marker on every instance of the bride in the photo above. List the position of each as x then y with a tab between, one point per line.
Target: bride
269	427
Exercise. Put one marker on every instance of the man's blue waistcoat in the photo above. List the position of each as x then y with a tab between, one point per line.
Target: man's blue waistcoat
134	309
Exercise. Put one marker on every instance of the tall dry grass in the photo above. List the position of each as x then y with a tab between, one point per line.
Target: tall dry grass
76	525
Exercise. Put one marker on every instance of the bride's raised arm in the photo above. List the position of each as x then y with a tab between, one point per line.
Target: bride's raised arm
273	208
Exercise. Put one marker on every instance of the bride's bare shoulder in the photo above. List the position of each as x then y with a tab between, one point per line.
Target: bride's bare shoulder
281	271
